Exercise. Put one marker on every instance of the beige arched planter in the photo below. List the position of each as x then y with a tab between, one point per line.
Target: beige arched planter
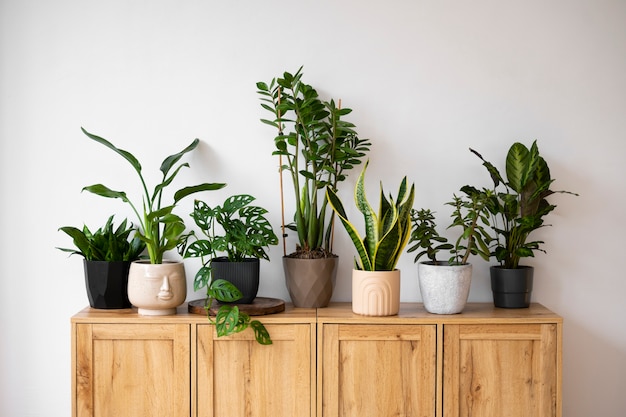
157	289
376	293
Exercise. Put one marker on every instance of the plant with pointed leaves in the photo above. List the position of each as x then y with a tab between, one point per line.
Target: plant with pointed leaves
386	233
105	244
160	229
519	209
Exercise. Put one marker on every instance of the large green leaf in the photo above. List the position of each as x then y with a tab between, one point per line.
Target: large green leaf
183	192
125	154
168	162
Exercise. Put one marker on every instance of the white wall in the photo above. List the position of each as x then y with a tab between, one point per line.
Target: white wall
426	81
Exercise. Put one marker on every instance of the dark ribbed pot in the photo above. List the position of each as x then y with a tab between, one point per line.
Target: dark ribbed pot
511	287
243	275
107	284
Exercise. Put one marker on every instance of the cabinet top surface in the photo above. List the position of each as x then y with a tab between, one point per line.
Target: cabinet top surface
341	313
415	313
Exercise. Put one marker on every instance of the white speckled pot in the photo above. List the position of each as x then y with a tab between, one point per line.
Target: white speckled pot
444	287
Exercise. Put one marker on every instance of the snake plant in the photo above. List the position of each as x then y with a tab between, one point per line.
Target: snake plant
386	233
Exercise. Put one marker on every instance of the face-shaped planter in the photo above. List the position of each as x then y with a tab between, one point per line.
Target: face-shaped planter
157	289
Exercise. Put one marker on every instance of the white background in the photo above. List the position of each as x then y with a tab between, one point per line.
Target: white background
426	80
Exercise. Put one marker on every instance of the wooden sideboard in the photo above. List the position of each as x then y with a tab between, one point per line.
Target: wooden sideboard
326	362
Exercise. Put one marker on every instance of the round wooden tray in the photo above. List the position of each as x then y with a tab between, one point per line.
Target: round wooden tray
259	307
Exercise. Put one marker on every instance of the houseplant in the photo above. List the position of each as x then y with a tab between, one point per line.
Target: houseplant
445	285
108	253
156	286
241	232
517	206
375	279
317	148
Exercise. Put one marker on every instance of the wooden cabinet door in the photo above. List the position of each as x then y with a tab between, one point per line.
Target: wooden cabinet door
378	370
500	370
237	377
132	370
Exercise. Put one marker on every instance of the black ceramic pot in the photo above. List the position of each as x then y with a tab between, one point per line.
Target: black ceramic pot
107	284
243	275
511	287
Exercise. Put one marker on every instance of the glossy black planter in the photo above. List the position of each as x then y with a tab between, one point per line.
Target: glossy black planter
243	275
511	287
107	284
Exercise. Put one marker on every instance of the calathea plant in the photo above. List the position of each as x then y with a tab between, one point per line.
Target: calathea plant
160	229
240	231
106	243
386	233
519	202
316	147
470	214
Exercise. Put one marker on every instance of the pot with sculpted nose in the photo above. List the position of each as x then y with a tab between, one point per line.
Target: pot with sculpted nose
157	289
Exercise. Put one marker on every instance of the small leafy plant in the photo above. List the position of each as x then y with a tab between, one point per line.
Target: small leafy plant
386	233
160	229
106	243
241	231
470	214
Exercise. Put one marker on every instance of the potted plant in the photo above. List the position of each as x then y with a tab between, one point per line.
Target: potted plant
317	148
242	237
445	285
240	232
107	254
157	286
375	279
517	206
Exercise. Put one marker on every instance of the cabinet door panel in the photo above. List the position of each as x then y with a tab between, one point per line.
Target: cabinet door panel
378	370
237	377
500	370
133	369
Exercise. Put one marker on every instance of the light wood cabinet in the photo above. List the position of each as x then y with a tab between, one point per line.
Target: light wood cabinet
324	363
484	362
128	365
132	369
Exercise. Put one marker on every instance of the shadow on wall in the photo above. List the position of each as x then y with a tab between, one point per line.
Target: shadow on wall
592	361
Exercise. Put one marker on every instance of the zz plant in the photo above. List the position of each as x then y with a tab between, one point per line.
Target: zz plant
386	233
317	147
160	229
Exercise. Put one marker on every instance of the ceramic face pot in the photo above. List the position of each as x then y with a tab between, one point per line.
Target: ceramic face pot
157	289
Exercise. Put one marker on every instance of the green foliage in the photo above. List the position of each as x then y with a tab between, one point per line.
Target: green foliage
386	233
243	232
105	244
318	147
424	234
470	214
519	209
160	229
